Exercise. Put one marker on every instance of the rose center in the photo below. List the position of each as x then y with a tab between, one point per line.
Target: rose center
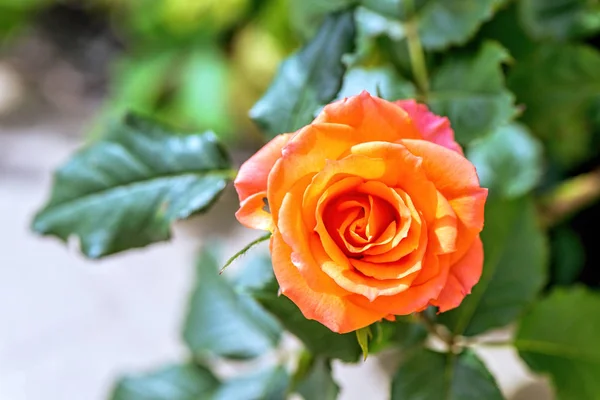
358	221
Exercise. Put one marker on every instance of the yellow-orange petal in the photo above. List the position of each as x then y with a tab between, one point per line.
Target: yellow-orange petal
444	227
469	211
252	213
407	226
456	179
306	154
463	275
452	174
396	269
416	297
351	280
377	119
432	127
297	236
253	174
404	170
333	311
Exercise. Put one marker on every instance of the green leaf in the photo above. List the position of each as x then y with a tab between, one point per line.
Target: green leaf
508	162
307	15
178	382
269	384
316	337
567	257
223	322
201	98
428	375
514	270
469	89
307	80
440	23
560	19
559	337
558	85
371	23
515	39
391	8
139	81
125	190
363	336
404	332
383	81
318	383
256	273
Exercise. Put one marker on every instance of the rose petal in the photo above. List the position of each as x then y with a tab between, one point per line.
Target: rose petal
333	311
253	174
252	214
346	277
376	118
396	269
403	170
403	244
463	276
433	128
444	227
296	235
456	179
415	297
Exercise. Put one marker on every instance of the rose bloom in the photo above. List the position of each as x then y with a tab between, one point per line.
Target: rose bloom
374	212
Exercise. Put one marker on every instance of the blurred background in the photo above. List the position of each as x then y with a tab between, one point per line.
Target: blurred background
70	326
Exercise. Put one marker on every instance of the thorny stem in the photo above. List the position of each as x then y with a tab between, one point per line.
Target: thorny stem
244	250
435	330
415	50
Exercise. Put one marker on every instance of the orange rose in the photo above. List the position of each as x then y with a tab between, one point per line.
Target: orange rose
374	212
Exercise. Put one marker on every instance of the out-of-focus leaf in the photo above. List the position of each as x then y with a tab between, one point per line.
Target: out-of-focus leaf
558	85
307	15
179	382
441	23
307	80
168	22
508	162
559	337
269	384
567	257
514	269
404	333
256	273
15	14
139	81
371	24
223	322
560	19
515	39
470	91
201	98
372	31
316	337
125	190
384	82
429	375
397	9
318	383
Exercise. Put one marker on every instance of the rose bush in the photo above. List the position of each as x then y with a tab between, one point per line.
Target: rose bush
374	212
